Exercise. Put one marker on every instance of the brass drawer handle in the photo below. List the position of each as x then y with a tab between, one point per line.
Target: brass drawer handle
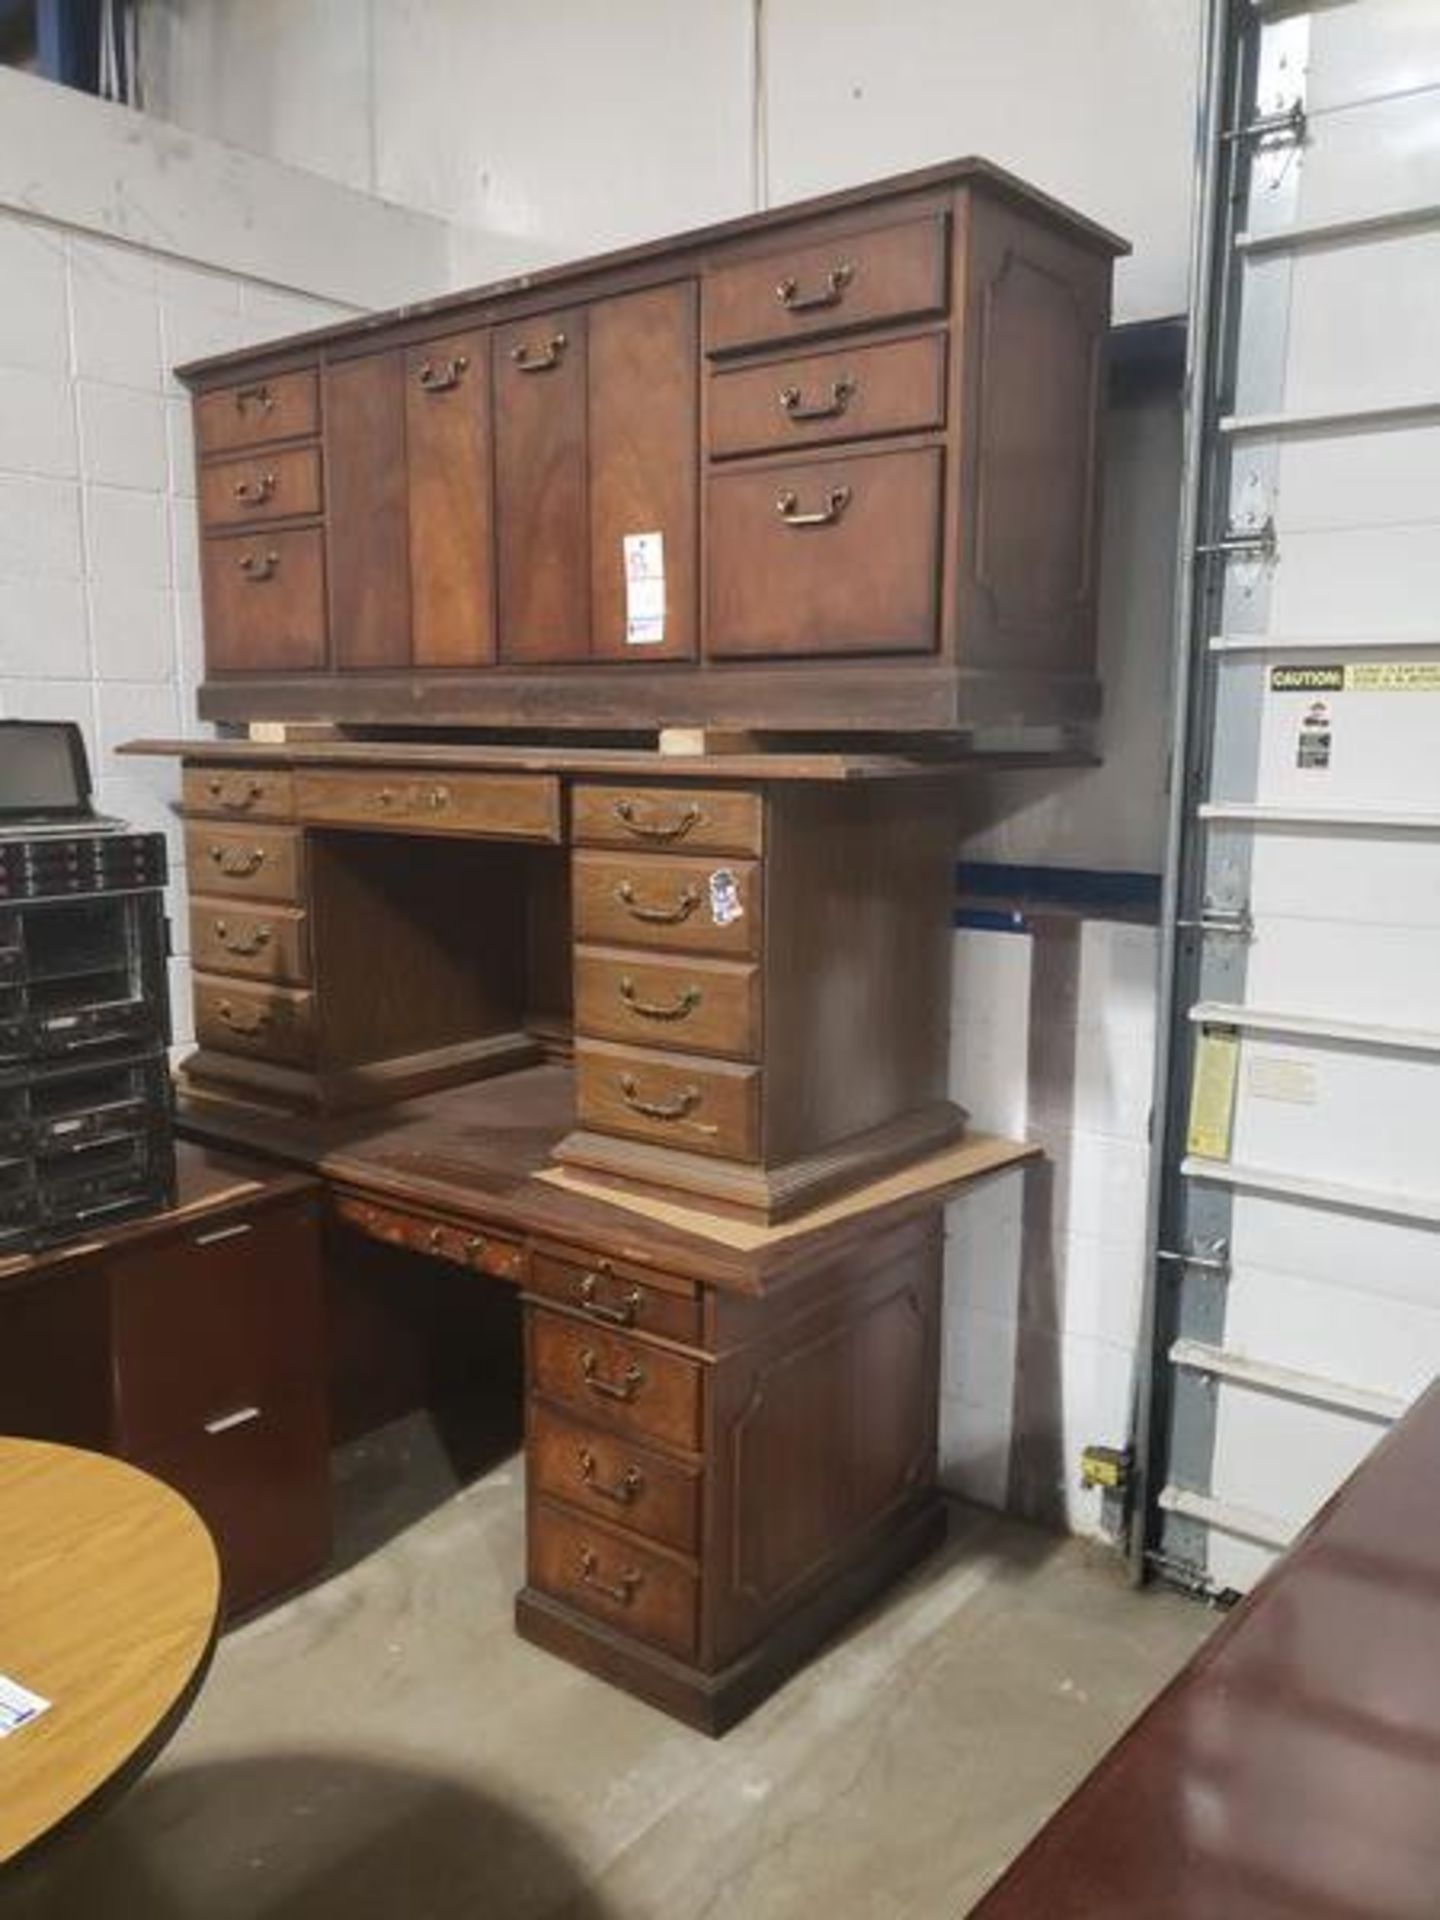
787	505
830	294
529	359
625	1315
625	1388
680	1008
257	567
246	1022
236	796
237	863
260	397
441	378
685	904
684	1103
625	1587
244	944
415	799
254	493
477	1246
657	829
795	407
626	1490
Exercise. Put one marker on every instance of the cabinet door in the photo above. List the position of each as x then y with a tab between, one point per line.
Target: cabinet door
543	572
447	431
644	439
367	520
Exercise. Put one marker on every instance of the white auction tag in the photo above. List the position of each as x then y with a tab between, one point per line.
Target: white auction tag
18	1705
644	589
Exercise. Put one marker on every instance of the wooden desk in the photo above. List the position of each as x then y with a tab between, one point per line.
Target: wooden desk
109	1597
1293	1768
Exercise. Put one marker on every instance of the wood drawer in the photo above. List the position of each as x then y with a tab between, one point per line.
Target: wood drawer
260	942
264	600
677	1099
826	557
282	406
626	1384
697	1006
480	1250
667	903
268	1023
661	819
261	863
818	284
846	394
614	1577
491	805
613	1294
233	793
260	487
613	1478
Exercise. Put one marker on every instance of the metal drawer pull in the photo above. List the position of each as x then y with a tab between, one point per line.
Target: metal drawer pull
236	796
787	505
624	1589
259	397
626	1489
241	1417
787	291
795	407
217	1234
657	829
442	378
537	359
625	1388
238	1021
685	1102
237	863
625	1315
259	566
680	1008
244	944
433	799
685	904
254	493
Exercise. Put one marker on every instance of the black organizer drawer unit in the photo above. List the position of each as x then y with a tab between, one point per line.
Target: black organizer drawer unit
59	868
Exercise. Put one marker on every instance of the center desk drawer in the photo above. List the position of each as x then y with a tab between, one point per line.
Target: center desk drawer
240	936
480	1250
663	901
616	1295
668	819
261	863
238	793
489	805
613	1477
632	1386
697	1006
241	1016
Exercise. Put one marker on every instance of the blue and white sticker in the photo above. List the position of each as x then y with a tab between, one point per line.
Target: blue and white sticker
725	897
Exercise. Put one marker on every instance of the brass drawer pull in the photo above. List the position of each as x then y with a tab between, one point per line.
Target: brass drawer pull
794	406
625	1388
254	493
477	1246
244	944
257	567
684	1103
657	829
626	1489
237	863
240	1020
529	359
440	379
414	799
260	397
236	796
788	293
787	505
625	1587
680	1008
625	1315
685	904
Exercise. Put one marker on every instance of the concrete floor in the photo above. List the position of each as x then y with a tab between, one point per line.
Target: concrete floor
383	1745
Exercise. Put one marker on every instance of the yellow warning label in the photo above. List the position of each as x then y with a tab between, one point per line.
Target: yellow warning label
1394	676
1212	1093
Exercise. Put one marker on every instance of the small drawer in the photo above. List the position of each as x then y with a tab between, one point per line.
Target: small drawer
270	486
260	942
494	806
615	1295
676	1100
697	1006
269	1023
664	819
613	1478
261	863
615	1578
264	596
278	406
826	557
668	903
849	394
817	283
631	1386
481	1251
236	793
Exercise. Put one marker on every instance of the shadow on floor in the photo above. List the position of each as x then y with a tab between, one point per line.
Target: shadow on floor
318	1836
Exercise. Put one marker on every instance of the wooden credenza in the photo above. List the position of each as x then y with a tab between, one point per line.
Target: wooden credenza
829	467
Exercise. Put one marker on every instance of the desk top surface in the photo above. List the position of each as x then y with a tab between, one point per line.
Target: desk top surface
1292	1767
109	1598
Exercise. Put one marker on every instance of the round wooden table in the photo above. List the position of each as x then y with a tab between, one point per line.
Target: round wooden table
109	1606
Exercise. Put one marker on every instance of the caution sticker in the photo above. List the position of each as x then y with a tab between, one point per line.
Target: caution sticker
1212	1093
1370	676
